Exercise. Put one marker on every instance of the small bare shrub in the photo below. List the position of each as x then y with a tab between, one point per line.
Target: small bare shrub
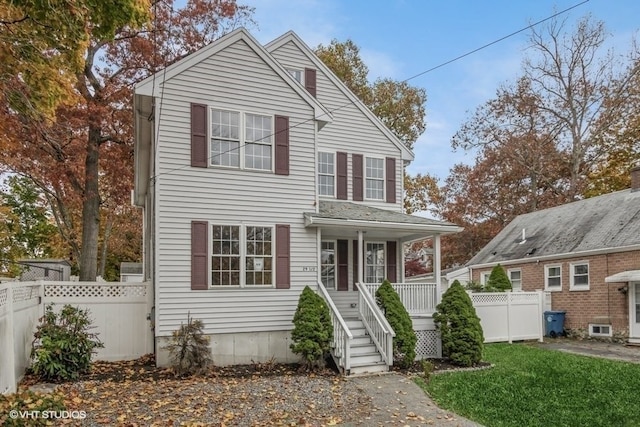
189	349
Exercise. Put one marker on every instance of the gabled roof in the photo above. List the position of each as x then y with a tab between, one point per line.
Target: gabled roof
150	85
610	222
290	36
333	213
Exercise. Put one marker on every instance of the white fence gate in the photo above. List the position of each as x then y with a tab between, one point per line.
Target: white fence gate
119	313
509	316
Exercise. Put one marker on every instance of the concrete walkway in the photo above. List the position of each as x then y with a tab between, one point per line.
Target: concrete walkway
398	401
626	353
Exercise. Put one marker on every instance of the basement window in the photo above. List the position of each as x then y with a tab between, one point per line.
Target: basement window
599	330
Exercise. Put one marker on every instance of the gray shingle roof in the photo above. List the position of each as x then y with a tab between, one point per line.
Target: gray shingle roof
356	212
603	222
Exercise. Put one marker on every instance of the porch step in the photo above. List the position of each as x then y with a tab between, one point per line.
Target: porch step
368	368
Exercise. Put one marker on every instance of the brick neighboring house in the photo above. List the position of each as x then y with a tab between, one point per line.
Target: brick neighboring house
586	252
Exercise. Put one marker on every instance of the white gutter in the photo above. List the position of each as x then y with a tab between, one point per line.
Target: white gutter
318	221
591	252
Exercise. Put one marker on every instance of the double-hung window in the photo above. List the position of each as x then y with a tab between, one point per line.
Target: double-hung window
579	276
553	277
374	178
326	174
241	256
241	140
515	276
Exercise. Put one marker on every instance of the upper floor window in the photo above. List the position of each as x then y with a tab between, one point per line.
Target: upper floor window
241	140
515	276
553	277
326	174
297	74
374	178
579	278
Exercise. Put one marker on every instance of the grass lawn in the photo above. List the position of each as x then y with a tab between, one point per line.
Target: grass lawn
530	386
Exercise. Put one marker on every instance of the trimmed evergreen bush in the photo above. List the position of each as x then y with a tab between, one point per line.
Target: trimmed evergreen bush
313	332
498	280
404	343
460	329
189	349
62	345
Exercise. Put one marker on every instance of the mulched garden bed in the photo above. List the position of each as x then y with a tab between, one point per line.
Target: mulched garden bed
136	393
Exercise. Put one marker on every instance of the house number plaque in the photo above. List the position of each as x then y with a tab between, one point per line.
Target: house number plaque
309	268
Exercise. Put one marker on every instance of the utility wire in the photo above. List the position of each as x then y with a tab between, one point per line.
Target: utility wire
457	58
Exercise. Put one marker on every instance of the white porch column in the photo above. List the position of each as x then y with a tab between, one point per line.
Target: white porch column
361	259
436	267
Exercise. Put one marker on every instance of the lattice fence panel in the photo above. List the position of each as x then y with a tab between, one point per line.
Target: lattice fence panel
94	291
489	298
4	297
25	293
524	297
428	344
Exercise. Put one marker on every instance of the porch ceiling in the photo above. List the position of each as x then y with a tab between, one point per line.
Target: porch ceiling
625	276
346	217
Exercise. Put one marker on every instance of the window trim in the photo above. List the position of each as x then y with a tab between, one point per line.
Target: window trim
383	179
242	141
364	261
509	271
243	255
335	261
335	173
296	70
600	334
546	278
572	285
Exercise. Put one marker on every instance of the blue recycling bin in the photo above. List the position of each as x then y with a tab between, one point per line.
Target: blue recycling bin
554	323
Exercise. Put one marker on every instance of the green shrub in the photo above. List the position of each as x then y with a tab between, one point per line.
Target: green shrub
498	280
63	345
474	286
28	401
404	343
313	332
189	350
459	326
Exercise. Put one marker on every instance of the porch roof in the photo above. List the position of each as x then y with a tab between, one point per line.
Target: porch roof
356	216
625	276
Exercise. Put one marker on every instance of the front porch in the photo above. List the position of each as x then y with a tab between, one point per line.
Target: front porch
359	247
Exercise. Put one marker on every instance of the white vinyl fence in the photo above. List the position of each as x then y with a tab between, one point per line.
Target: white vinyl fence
119	313
509	316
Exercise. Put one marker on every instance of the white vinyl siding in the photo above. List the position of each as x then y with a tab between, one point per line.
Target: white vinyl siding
579	276
238	80
350	125
553	277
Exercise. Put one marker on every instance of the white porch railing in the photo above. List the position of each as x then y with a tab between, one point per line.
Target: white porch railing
376	324
417	298
342	337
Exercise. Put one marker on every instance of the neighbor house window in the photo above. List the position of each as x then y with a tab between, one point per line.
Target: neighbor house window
374	263
241	140
328	264
374	178
515	276
579	277
484	277
241	256
553	277
326	174
600	330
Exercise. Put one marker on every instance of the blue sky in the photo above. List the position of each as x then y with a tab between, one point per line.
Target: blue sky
401	38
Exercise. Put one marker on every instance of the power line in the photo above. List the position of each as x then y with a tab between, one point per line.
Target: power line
457	58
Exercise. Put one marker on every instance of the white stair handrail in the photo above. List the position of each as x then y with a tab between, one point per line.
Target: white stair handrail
342	336
380	331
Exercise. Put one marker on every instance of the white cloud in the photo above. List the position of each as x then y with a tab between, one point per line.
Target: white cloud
380	64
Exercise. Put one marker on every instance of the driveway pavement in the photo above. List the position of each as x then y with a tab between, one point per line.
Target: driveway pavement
626	353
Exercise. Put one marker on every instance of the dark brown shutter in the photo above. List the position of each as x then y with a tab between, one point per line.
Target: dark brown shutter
391	179
199	255
310	80
341	172
283	255
392	261
343	265
199	135
282	145
356	264
356	160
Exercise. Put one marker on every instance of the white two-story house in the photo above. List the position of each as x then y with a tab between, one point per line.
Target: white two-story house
260	173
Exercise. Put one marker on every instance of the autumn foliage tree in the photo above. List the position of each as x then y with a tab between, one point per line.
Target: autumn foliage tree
82	158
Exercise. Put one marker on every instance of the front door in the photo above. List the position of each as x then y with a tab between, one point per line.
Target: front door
634	312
